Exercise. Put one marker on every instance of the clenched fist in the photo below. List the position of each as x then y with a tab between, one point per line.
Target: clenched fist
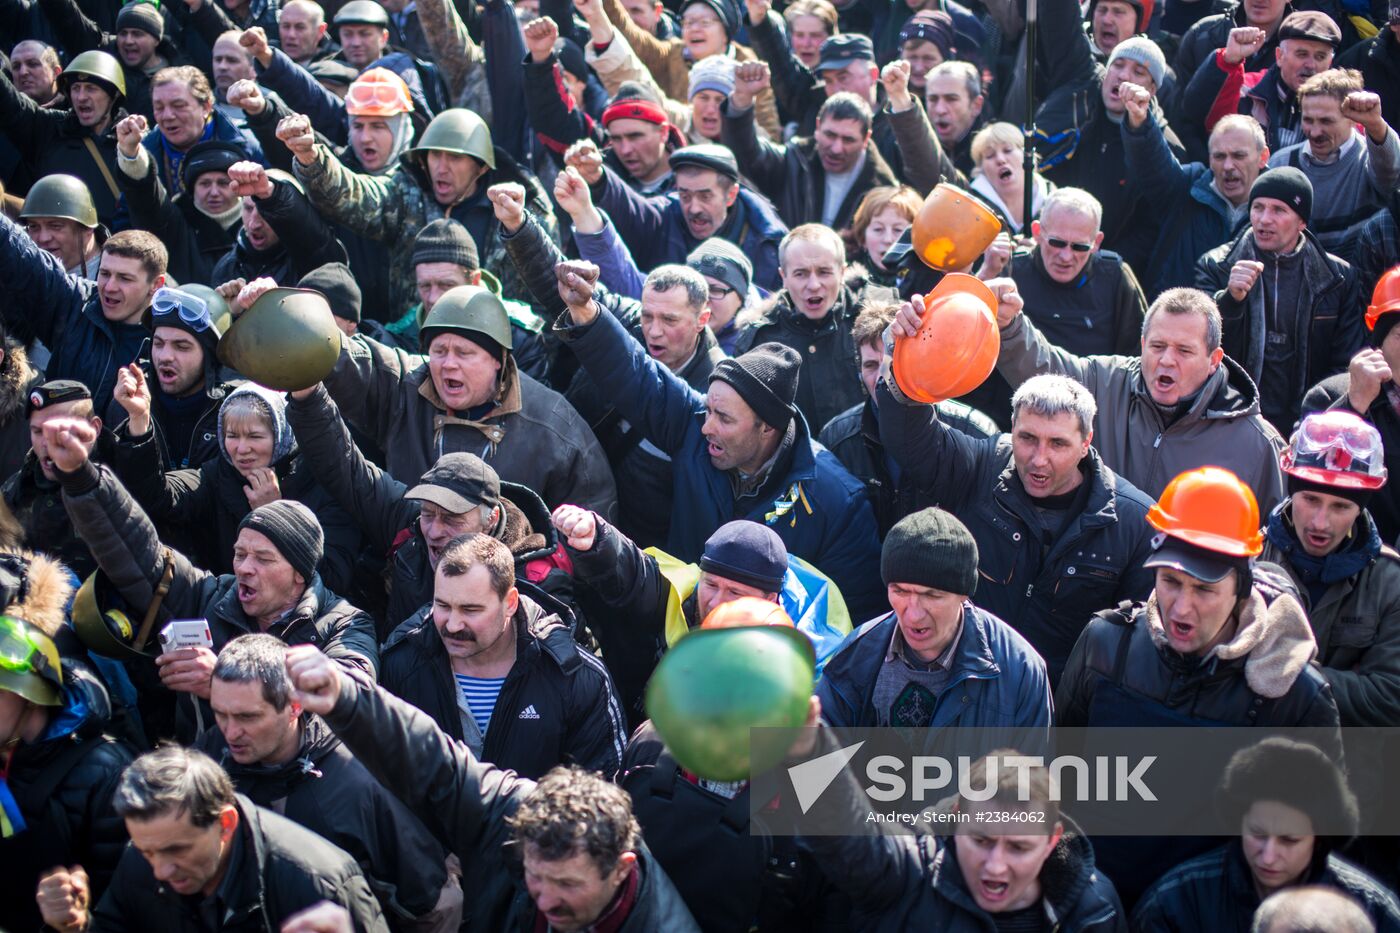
250	180
576	280
1137	102
508	201
247	96
129	133
296	134
584	157
540	36
64	897
750	80
1243	275
254	42
578	526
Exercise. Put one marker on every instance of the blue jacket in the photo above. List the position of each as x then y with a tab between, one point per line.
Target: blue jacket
64	312
168	161
818	508
654	227
996	681
1193	218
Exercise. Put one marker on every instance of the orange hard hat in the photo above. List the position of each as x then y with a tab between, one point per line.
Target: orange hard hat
1211	508
378	93
1385	298
745	611
957	343
952	229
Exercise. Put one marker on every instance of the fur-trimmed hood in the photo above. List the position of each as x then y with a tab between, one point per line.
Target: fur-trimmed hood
15	377
37	588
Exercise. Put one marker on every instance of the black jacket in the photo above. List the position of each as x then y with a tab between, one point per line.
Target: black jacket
204	439
557	705
276	869
305	242
1046	588
324	789
467	803
194	241
63	784
1100	312
1378	60
1332	393
854	437
17	377
829	381
1216	892
791	175
37	504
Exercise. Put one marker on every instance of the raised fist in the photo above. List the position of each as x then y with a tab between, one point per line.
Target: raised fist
576	280
750	80
895	78
1137	102
254	41
1243	275
578	526
129	133
296	134
508	201
247	96
540	36
586	159
250	180
1243	42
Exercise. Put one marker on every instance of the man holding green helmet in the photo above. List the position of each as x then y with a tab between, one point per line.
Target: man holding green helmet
59	216
79	141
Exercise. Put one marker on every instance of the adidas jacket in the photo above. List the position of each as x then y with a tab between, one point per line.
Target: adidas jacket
557	706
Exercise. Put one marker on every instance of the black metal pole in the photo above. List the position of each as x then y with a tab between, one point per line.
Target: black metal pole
1029	196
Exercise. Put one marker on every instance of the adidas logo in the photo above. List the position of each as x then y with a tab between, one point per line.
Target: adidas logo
529	712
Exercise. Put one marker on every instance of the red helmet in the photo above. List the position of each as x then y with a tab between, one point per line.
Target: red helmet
1336	448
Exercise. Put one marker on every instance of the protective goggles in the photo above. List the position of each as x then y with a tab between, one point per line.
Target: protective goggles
381	97
191	309
20	651
1339	448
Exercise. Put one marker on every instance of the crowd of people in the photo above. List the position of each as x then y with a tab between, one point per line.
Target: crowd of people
387	386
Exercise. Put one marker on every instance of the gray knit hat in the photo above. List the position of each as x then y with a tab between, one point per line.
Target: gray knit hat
1145	52
720	259
446	240
293	530
931	548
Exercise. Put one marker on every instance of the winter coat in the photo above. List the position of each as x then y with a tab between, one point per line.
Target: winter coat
1353	603
556	707
1332	392
1222	427
996	679
36	502
1046	589
1216	892
1193	218
808	498
829	380
204	439
1378	60
53	142
200	508
1211	33
276	869
899	882
324	789
195	241
305	242
1101	311
389	522
131	556
1329	315
791	175
17	377
925	161
168	160
1378	245
467	802
654	228
393	208
854	437
709	846
531	437
63	781
64	312
1217	89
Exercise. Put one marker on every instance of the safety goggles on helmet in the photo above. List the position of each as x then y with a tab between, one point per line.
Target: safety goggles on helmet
1336	448
20	650
191	309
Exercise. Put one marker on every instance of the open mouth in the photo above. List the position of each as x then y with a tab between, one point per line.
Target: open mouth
1038	481
246	593
813	302
1005	173
111	303
714	450
1181	631
453	386
167	375
1164	383
1318	541
994	890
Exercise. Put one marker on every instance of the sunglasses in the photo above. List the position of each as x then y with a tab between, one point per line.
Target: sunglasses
1055	242
190	308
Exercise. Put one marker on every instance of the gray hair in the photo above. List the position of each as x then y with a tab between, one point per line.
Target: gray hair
669	276
1187	301
260	659
1311	909
1074	200
172	780
1241	121
965	71
1051	396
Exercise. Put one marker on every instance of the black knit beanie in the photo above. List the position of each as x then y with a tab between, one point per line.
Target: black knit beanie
446	240
293	530
337	283
1286	184
765	378
1361	497
143	16
931	548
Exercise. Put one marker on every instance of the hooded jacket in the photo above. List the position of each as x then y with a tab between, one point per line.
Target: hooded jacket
276	869
466	802
324	789
1216	892
1222	425
1045	588
576	719
200	508
63	781
531	436
1328	314
1353	602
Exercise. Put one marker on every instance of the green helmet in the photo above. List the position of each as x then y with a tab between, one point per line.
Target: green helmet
286	341
107	631
716	684
99	65
61	196
29	663
467	309
457	130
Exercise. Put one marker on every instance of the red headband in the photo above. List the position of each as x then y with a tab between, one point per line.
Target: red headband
635	110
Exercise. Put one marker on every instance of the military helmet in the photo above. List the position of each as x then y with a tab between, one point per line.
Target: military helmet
287	340
29	663
361	13
103	624
95	64
61	196
467	309
457	130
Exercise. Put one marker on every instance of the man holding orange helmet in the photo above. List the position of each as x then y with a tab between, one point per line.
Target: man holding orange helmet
1369	389
1323	535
